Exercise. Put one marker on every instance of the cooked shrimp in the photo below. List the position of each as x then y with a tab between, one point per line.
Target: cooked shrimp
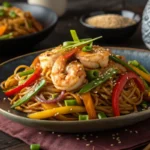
99	57
67	77
48	58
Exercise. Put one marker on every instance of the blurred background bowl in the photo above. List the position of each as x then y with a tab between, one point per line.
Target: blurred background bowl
23	44
111	34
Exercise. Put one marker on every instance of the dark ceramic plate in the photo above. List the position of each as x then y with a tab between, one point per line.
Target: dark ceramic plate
111	34
45	16
8	67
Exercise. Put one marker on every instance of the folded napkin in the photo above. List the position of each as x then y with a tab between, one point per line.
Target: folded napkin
124	138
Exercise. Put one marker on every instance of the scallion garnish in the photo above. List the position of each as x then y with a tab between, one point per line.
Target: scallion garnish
74	35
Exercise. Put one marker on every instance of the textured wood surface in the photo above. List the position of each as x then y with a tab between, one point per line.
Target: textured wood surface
61	33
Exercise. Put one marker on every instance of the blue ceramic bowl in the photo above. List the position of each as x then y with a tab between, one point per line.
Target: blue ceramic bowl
8	67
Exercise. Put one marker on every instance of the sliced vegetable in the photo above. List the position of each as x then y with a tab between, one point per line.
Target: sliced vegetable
25	73
118	60
35	147
12	14
6	4
2	12
29	81
74	35
29	95
101	115
83	117
98	81
138	65
119	87
6	36
86	39
67	43
82	43
56	111
55	100
92	74
70	102
2	29
141	73
89	105
87	48
144	104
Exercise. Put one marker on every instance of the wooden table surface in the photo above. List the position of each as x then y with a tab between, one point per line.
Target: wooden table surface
69	21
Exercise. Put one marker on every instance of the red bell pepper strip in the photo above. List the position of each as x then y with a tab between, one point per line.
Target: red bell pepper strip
119	87
29	81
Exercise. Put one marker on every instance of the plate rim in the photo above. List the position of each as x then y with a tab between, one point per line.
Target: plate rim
132	115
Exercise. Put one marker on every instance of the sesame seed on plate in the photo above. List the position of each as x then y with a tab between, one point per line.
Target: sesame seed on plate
77	139
130	131
91	141
87	144
59	135
53	132
136	131
111	144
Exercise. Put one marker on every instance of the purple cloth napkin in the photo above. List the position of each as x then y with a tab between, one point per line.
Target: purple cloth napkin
124	138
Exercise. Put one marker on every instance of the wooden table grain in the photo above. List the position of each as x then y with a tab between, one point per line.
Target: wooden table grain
69	21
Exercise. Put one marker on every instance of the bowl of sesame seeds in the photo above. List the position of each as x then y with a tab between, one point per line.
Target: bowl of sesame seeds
113	26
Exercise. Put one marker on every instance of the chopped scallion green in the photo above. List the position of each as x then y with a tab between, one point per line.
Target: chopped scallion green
74	35
6	4
12	14
83	117
101	115
35	147
70	102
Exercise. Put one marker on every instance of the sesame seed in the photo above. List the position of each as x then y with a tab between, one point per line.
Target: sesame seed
53	132
113	134
111	144
119	142
70	109
97	137
91	141
118	138
126	129
78	139
40	133
131	131
87	144
4	98
117	133
136	132
113	138
59	135
91	134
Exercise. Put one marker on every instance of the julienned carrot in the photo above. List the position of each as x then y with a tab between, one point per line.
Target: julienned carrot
141	73
56	111
2	29
89	105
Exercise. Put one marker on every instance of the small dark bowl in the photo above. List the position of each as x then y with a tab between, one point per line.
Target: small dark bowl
45	16
111	34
